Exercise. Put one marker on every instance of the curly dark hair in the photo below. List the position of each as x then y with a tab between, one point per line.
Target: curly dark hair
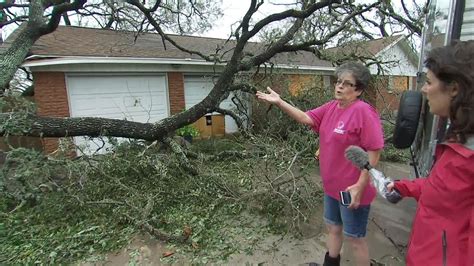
454	64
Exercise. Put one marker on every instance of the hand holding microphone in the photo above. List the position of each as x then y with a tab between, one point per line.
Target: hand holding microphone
360	159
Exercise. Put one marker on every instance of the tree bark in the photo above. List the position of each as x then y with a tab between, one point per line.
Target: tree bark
15	52
12	53
37	126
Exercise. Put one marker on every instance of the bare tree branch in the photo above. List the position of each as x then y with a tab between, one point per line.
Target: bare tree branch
238	55
155	24
27	34
412	26
281	46
236	118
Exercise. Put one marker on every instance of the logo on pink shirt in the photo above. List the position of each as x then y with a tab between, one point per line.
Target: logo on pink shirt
339	129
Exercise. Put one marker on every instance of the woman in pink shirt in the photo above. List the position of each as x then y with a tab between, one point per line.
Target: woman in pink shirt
342	122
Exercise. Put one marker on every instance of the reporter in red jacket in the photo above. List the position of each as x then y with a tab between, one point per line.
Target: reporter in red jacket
443	228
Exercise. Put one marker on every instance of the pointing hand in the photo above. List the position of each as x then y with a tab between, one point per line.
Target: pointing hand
270	97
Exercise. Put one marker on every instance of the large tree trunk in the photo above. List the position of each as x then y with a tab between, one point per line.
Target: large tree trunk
16	48
37	126
15	51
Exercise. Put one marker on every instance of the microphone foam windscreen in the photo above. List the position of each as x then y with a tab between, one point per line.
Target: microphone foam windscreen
357	156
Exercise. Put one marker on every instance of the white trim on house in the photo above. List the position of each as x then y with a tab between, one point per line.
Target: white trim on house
388	47
64	60
397	61
37	61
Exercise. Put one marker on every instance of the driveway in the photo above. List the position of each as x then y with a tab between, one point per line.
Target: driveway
388	232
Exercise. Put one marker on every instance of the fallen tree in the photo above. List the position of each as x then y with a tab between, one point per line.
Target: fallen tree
305	26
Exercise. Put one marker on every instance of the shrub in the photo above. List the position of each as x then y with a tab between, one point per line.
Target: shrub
271	121
188	130
390	153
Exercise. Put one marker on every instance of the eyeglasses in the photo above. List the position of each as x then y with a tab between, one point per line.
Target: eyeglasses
345	83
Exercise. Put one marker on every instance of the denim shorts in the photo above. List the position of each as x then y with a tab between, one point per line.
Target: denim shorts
353	221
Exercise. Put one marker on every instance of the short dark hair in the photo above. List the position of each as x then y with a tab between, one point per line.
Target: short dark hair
455	64
360	72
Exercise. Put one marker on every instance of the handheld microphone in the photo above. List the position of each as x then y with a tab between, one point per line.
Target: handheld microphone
360	159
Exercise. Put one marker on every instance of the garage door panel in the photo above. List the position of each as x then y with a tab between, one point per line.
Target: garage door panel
133	98
85	103
119	102
118	84
144	101
197	88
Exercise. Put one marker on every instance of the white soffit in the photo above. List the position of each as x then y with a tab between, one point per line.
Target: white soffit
40	61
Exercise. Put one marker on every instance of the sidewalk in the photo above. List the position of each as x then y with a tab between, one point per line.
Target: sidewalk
388	232
390	224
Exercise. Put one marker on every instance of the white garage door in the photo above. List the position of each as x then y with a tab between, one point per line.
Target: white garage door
134	98
197	88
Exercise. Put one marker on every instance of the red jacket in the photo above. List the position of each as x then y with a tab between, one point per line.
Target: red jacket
443	229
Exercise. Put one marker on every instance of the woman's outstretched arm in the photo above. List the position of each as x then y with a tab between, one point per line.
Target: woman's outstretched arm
295	113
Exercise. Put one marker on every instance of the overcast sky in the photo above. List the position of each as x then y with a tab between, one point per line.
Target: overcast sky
234	10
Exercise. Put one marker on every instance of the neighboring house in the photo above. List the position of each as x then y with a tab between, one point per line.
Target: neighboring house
84	72
396	74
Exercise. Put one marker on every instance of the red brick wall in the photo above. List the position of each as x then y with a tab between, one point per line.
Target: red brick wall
176	92
301	82
388	96
51	100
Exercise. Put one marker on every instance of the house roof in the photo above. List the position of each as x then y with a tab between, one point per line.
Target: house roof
69	41
104	45
366	48
373	48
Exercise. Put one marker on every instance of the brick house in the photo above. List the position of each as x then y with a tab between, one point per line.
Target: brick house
395	74
84	72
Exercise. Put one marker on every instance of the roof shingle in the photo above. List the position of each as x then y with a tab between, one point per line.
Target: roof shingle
71	41
365	48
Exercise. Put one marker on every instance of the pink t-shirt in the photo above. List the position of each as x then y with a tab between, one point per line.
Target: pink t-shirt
358	124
